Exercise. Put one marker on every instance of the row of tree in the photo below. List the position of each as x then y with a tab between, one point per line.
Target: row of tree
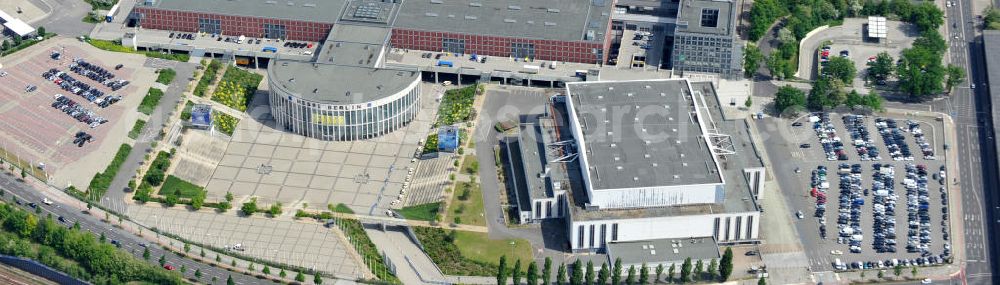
101	262
585	275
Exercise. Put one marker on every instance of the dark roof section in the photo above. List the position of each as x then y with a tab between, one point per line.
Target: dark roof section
991	41
322	11
565	20
642	134
694	13
354	45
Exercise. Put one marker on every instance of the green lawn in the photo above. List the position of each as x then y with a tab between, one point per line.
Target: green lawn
470	253
470	165
149	102
165	76
237	80
116	46
341	208
172	184
136	129
425	212
456	106
479	247
469	210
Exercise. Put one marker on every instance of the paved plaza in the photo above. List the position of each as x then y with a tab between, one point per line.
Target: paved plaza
37	132
288	242
274	165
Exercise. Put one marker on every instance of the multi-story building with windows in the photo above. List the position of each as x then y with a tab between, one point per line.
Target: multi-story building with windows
559	30
638	163
705	38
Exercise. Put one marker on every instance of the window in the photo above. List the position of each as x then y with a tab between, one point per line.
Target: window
210	26
614	231
579	238
749	227
453	45
604	233
591	236
538	209
739	227
522	50
716	229
548	209
710	18
727	228
274	31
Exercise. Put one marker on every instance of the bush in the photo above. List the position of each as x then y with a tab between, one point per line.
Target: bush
151	100
211	71
157	170
456	106
224	122
116	46
136	129
236	88
165	76
102	180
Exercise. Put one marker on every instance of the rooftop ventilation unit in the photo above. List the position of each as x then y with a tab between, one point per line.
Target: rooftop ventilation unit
514	7
429	14
471	17
310	5
551	10
509	21
437	2
550	23
475	4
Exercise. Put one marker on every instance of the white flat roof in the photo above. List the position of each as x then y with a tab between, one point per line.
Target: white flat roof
877	27
16	25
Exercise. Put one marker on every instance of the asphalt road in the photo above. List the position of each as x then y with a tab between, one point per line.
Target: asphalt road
130	242
969	107
64	17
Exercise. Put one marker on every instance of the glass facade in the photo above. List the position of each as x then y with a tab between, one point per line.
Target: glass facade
211	26
704	53
274	31
453	45
522	50
345	122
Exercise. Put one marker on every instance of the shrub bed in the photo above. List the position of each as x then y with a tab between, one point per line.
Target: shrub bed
102	180
149	102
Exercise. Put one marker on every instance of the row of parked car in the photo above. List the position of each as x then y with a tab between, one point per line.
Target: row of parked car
72	85
861	138
918	135
827	134
884	208
849	213
97	73
895	142
890	263
819	187
918	209
81	138
77	111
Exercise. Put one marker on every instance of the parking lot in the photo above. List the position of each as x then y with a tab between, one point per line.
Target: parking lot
869	189
41	124
849	37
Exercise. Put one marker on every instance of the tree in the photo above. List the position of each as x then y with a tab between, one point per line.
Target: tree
145	253
927	16
197	273
41	31
198	201
547	271
588	277
616	272
184	269
267	269
840	68
602	275
991	19
788	96
699	268
249	207
282	273
881	274
748	102
775	65
232	262
561	275
218	258
920	72
644	274
751	60
671	271
897	270
532	274
956	75
726	264
300	277
224	206
275	209
187	247
761	281
24	174
913	272
250	267
516	274
659	272
202	252
163	260
882	67
502	271
576	278
317	279
630	278
713	267
229	196
229	280
686	270
6	45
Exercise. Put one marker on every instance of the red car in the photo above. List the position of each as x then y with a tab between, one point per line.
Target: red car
168	267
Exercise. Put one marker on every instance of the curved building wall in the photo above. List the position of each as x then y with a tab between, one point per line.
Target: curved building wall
344	122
